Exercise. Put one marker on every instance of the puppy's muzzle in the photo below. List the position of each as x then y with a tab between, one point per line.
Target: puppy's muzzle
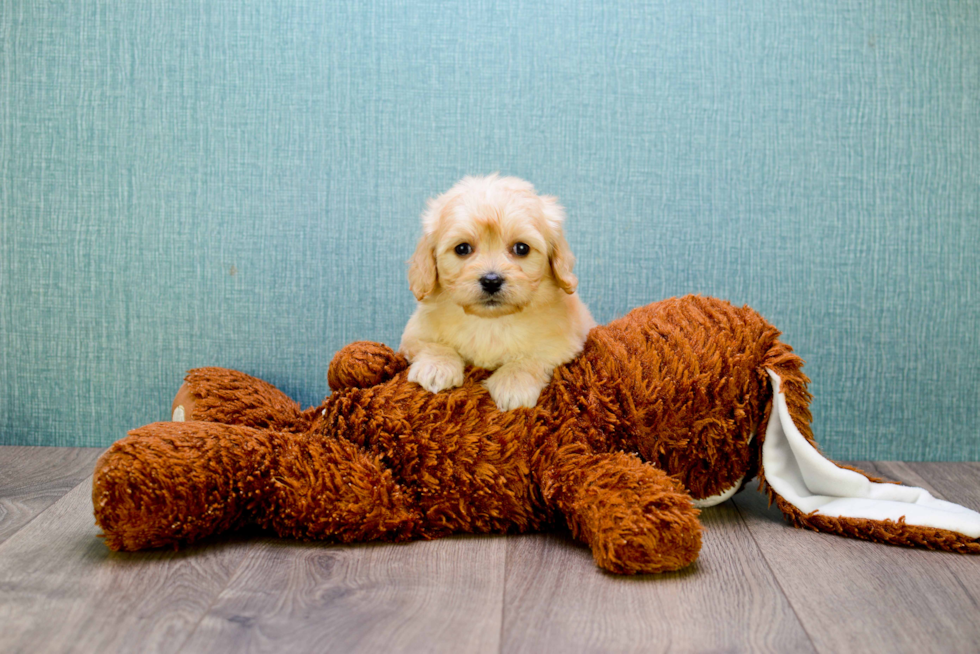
491	283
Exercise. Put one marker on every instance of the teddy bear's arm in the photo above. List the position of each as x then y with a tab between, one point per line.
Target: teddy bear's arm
234	398
634	517
363	364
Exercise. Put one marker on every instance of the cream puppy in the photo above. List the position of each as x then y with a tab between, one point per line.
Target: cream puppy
493	277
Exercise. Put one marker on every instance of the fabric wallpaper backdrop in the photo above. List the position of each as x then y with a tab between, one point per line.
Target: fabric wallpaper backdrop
190	183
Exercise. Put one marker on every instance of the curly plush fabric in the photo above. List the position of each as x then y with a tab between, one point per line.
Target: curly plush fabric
664	406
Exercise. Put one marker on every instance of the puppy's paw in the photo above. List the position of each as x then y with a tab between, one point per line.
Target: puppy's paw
436	374
512	388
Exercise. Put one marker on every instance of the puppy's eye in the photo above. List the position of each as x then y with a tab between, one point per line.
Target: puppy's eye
521	249
463	249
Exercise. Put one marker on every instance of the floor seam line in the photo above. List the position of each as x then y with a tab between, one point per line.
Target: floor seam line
213	601
775	577
503	592
46	509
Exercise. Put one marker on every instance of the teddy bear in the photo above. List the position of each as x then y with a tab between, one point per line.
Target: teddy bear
669	409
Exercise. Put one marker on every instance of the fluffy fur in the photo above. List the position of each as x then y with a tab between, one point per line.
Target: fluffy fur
667	404
493	277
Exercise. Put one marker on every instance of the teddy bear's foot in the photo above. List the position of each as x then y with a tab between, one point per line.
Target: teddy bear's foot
634	517
171	483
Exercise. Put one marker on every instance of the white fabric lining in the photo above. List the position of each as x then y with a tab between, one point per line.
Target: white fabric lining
808	481
720	497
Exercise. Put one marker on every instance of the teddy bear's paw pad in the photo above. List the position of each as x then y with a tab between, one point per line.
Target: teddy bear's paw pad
182	408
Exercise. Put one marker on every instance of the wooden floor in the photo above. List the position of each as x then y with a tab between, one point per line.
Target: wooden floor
759	585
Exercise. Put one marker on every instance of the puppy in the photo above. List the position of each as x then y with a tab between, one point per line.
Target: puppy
493	278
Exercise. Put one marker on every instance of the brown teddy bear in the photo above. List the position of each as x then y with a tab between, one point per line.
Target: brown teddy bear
672	407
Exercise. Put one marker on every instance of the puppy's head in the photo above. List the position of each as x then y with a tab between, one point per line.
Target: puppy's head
490	243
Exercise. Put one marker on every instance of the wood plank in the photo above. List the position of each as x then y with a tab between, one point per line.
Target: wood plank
436	596
557	600
856	596
954	482
34	478
64	590
759	586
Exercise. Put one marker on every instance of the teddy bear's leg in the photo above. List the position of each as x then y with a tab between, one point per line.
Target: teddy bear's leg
234	398
634	517
169	483
330	488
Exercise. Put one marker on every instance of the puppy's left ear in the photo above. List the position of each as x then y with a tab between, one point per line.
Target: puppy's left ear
560	255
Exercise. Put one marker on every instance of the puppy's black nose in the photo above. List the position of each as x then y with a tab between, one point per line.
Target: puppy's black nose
491	283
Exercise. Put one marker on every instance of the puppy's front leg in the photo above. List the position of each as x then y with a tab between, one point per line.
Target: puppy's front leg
435	367
518	383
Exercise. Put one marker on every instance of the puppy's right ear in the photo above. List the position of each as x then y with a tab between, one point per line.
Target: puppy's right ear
422	272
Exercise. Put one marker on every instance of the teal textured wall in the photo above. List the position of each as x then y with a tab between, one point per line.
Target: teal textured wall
192	183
